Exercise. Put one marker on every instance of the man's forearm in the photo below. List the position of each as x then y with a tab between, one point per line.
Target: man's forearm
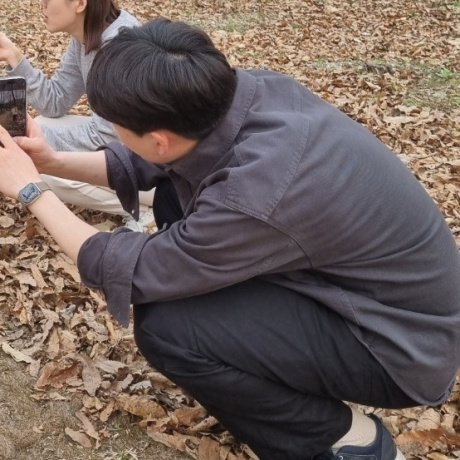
89	167
69	231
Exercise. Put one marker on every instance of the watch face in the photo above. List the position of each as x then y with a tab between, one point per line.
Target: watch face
29	193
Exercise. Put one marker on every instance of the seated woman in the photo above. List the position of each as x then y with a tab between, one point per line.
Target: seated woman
89	23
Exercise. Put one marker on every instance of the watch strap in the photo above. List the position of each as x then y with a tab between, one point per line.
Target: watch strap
42	185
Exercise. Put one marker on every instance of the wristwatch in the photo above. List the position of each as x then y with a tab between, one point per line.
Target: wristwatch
32	192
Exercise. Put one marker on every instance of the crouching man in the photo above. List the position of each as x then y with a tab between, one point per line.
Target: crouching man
299	264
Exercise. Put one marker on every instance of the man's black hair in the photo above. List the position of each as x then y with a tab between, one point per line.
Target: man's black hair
161	75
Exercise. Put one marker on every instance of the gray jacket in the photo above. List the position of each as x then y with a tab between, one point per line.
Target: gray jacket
55	96
290	189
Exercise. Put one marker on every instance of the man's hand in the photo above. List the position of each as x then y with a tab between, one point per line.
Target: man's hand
16	167
17	170
8	51
89	167
35	145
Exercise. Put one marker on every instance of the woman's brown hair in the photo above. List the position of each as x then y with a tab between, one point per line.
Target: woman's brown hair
99	15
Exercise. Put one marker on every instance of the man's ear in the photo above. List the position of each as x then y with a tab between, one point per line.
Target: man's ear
81	7
162	141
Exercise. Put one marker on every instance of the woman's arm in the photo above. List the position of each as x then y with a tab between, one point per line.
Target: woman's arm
55	96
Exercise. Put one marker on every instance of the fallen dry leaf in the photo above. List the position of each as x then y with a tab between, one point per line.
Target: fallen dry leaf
78	437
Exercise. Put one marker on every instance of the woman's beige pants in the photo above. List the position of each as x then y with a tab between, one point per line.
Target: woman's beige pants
86	195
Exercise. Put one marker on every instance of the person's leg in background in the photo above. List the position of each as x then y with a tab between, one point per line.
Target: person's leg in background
166	206
94	197
66	120
273	366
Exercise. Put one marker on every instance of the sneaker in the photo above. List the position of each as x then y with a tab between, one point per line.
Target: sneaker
145	222
383	448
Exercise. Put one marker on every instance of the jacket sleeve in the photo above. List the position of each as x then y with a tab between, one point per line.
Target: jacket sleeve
128	173
55	96
216	246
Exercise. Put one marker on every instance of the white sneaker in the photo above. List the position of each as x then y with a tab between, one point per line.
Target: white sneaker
144	224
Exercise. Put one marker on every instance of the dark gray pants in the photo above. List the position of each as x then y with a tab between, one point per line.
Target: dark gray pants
271	365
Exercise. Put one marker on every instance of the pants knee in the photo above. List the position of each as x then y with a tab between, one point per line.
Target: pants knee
145	340
163	336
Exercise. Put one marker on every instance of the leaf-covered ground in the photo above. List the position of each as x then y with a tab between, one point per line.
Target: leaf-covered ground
392	65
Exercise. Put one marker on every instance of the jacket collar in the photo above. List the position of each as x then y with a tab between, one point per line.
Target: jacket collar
196	165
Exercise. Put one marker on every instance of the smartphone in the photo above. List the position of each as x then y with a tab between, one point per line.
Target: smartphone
13	109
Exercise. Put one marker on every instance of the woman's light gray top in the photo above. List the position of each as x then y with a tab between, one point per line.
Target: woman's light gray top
55	96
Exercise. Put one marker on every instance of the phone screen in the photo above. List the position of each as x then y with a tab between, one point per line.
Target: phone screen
13	110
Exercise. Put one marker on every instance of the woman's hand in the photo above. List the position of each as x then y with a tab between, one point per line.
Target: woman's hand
8	51
16	167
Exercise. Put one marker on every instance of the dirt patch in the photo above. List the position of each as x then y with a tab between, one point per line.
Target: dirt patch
33	429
